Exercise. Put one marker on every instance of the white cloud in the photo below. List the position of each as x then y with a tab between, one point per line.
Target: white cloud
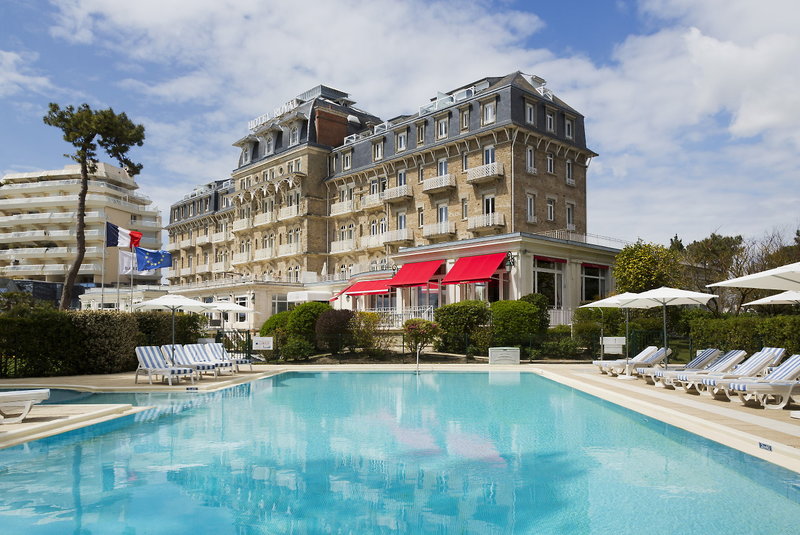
16	76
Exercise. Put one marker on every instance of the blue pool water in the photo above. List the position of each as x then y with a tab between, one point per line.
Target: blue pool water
357	453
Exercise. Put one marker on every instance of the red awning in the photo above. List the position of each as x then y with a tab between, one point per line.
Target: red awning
550	259
589	265
474	268
338	294
369	287
415	274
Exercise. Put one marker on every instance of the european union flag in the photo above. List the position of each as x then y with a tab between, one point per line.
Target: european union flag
147	259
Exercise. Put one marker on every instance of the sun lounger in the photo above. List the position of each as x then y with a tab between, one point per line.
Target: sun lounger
773	390
627	368
755	365
199	354
16	404
218	351
181	357
722	364
151	362
605	365
703	358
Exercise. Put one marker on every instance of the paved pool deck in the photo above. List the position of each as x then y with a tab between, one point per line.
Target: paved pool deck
772	435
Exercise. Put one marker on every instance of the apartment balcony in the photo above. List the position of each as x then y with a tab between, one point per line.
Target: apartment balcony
374	241
492	221
203	268
240	258
485	173
47	252
183	244
398	236
288	212
344	207
435	230
438	183
288	249
47	269
170	273
59	201
374	200
240	225
47	235
171	245
264	254
219	237
202	240
46	220
343	246
219	267
185	272
397	194
264	219
146	224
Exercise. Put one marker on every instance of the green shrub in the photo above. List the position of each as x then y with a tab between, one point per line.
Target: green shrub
297	348
333	330
458	323
276	321
542	304
514	323
420	333
366	334
110	339
750	333
303	319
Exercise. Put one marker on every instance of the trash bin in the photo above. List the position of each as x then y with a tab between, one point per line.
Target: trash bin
503	355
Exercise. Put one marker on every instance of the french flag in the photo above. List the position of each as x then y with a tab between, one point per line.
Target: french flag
121	237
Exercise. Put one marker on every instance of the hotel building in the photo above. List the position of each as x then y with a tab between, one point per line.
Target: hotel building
37	223
481	194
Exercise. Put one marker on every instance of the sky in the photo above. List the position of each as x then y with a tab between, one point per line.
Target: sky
692	105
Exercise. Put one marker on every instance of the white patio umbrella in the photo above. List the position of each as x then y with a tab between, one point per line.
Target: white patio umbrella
781	278
791	297
173	302
615	301
666	296
228	306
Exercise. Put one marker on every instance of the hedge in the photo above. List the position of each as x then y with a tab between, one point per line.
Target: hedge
515	323
303	319
750	333
458	322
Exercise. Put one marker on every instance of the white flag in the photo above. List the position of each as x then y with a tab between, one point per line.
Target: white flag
126	261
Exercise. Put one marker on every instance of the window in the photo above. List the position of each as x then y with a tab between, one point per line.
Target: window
420	216
464	162
294	136
441	128
297	165
530	160
342	232
464	211
377	151
373	227
290	167
488	154
465	119
420	175
441	213
550	118
401	177
420	133
530	113
347	160
593	282
373	186
551	163
441	167
401	141
548	279
570	178
270	146
570	216
382	226
488	204
551	209
569	126
530	206
489	113
401	220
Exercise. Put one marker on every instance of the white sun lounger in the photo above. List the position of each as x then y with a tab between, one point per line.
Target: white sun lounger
180	357
218	351
755	365
703	358
627	368
19	403
725	363
605	365
773	391
151	362
199	354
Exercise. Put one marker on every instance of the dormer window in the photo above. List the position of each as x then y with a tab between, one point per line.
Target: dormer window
377	151
401	141
246	155
270	145
347	160
488	112
294	136
550	121
441	128
569	128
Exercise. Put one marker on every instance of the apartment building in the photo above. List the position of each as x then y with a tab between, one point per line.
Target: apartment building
37	223
480	194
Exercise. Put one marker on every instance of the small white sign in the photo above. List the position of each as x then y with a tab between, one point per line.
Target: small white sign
262	343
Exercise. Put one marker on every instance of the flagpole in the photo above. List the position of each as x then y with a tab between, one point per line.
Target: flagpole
132	253
103	268
119	269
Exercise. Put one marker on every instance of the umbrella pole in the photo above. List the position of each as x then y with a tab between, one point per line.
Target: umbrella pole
666	356
602	347
627	352
173	337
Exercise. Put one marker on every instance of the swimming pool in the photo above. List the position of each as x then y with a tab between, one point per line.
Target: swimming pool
388	453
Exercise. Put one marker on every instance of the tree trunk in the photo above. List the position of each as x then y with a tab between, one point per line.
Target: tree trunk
80	234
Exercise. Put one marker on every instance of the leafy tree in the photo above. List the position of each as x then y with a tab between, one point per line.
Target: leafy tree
334	330
644	266
710	260
515	323
303	319
85	128
676	244
419	333
542	320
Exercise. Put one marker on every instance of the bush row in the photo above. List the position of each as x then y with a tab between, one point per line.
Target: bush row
749	333
43	341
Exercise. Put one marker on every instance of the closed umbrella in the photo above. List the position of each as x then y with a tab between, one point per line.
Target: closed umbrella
173	302
615	301
664	297
781	278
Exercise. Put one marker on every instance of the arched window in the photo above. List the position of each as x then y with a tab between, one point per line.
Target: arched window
382	226
293	136
269	145
373	227
373	265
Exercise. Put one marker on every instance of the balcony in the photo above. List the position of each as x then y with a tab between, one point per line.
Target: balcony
47	252
185	272
399	235
397	194
203	268
47	235
485	173
438	183
288	212
203	240
219	237
443	228
344	207
240	225
219	267
171	246
372	200
490	221
374	241
343	246
240	258
289	249
170	273
183	244
48	219
264	254
264	219
47	269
